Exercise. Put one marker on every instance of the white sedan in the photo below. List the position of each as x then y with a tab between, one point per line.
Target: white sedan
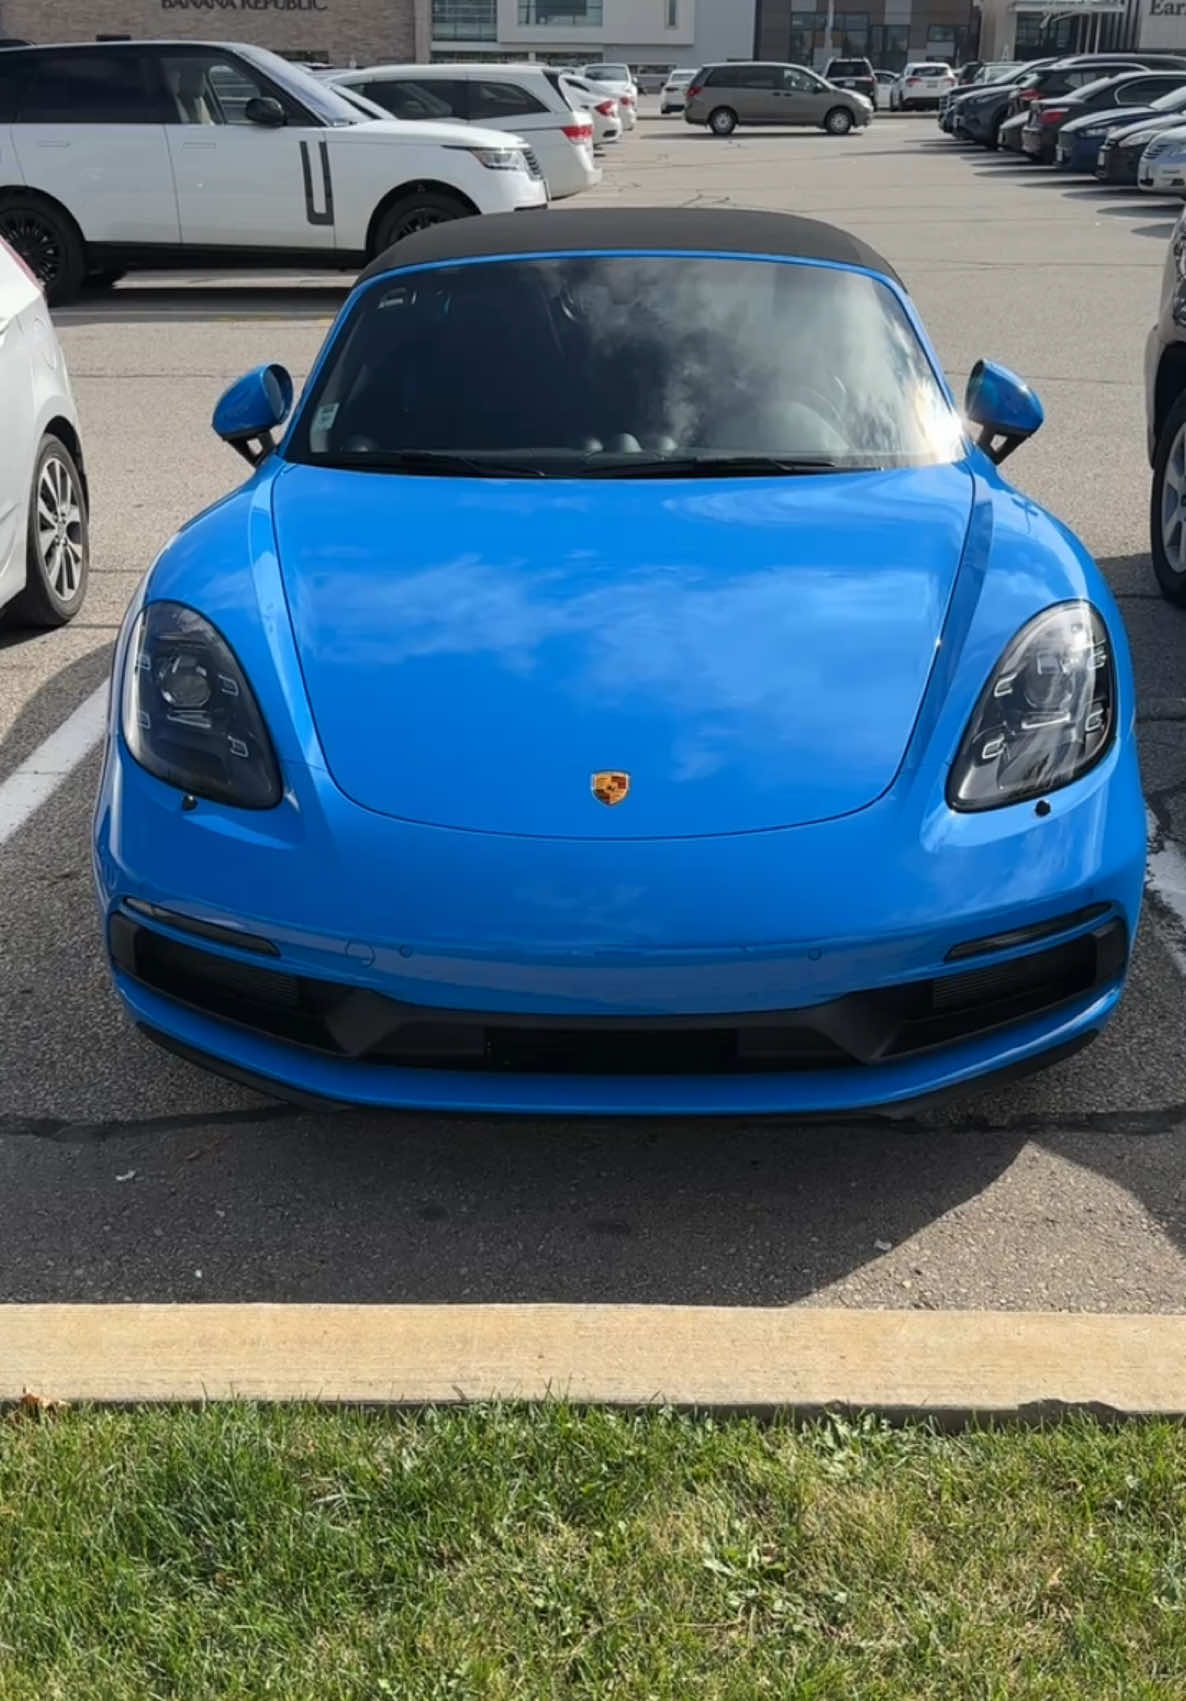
604	109
617	81
1162	170
44	546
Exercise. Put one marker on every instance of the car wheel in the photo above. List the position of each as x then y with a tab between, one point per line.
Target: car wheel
838	122
416	212
1167	505
57	549
723	121
47	240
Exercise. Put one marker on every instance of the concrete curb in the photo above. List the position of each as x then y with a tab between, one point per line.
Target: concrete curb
946	1365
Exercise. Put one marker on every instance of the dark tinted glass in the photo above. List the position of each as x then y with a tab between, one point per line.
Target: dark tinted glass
501	100
433	98
849	68
603	362
92	86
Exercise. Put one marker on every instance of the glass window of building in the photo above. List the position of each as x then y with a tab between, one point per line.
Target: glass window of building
465	20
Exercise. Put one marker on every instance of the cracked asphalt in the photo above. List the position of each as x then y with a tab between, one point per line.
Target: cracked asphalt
125	1174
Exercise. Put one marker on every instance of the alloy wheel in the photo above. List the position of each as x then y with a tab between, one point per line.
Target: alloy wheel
59	528
35	241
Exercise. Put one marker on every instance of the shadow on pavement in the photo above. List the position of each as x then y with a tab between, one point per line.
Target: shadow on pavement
193	302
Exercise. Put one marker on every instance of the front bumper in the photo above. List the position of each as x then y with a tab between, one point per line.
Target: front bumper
845	925
1116	165
1162	178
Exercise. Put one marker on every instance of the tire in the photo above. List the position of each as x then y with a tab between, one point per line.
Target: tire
47	240
722	121
1167	505
57	543
838	122
414	212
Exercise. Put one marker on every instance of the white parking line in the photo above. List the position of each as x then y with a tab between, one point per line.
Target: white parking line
40	775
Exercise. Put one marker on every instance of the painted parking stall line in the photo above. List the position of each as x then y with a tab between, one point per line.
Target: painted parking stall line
40	775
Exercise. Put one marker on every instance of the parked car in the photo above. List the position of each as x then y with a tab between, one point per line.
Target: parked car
162	154
1162	162
885	81
921	83
675	89
952	105
1081	139
1165	422
1048	79
616	80
44	539
982	110
605	110
855	74
526	100
762	92
649	79
1132	94
918	758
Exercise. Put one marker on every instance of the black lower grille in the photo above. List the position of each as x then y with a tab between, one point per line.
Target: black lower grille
881	1025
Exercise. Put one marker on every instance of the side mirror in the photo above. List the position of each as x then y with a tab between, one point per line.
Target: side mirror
1003	406
247	414
265	110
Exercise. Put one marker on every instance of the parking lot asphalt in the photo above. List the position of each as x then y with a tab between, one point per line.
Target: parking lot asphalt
127	1175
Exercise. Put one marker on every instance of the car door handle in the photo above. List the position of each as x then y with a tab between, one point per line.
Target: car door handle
50	142
196	144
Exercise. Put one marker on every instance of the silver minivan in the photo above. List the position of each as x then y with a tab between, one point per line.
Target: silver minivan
724	96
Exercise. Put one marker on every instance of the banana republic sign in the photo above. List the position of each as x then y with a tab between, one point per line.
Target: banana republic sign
244	6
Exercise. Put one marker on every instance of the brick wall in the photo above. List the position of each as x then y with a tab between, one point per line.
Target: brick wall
363	30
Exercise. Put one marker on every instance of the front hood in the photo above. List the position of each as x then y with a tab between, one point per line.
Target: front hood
1150	127
753	653
1107	120
412	130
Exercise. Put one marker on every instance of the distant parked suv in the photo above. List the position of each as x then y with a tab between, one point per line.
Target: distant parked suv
761	92
855	74
180	153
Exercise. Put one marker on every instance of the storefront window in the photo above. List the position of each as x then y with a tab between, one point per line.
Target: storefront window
465	20
851	35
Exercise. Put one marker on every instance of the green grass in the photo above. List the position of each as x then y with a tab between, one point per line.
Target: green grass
538	1553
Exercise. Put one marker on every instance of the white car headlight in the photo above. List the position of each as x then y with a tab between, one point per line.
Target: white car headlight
495	159
1046	716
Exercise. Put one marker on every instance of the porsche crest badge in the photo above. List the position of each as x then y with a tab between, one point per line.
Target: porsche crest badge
610	787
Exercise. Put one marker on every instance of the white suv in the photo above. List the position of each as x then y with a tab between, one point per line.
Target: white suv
527	99
171	153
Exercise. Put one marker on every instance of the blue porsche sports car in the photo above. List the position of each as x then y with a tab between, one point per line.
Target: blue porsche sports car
624	686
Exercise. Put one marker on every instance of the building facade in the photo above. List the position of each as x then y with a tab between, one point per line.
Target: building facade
334	31
343	32
888	32
637	32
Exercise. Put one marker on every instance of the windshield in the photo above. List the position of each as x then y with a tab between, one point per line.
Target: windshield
321	98
608	73
604	365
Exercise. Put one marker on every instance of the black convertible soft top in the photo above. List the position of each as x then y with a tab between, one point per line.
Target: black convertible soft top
672	229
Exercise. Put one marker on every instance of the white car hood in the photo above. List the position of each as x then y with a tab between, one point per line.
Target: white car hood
414	130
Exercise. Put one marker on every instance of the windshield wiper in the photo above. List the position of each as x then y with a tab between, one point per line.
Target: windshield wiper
714	466
440	461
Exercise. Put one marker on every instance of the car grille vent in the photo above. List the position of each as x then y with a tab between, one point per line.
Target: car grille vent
529	154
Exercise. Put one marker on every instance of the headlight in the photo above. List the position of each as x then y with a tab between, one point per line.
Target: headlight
1045	717
189	715
497	159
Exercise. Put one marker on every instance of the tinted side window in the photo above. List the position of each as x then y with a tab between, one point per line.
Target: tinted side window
434	98
501	100
214	88
793	78
90	87
14	68
751	77
1141	93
